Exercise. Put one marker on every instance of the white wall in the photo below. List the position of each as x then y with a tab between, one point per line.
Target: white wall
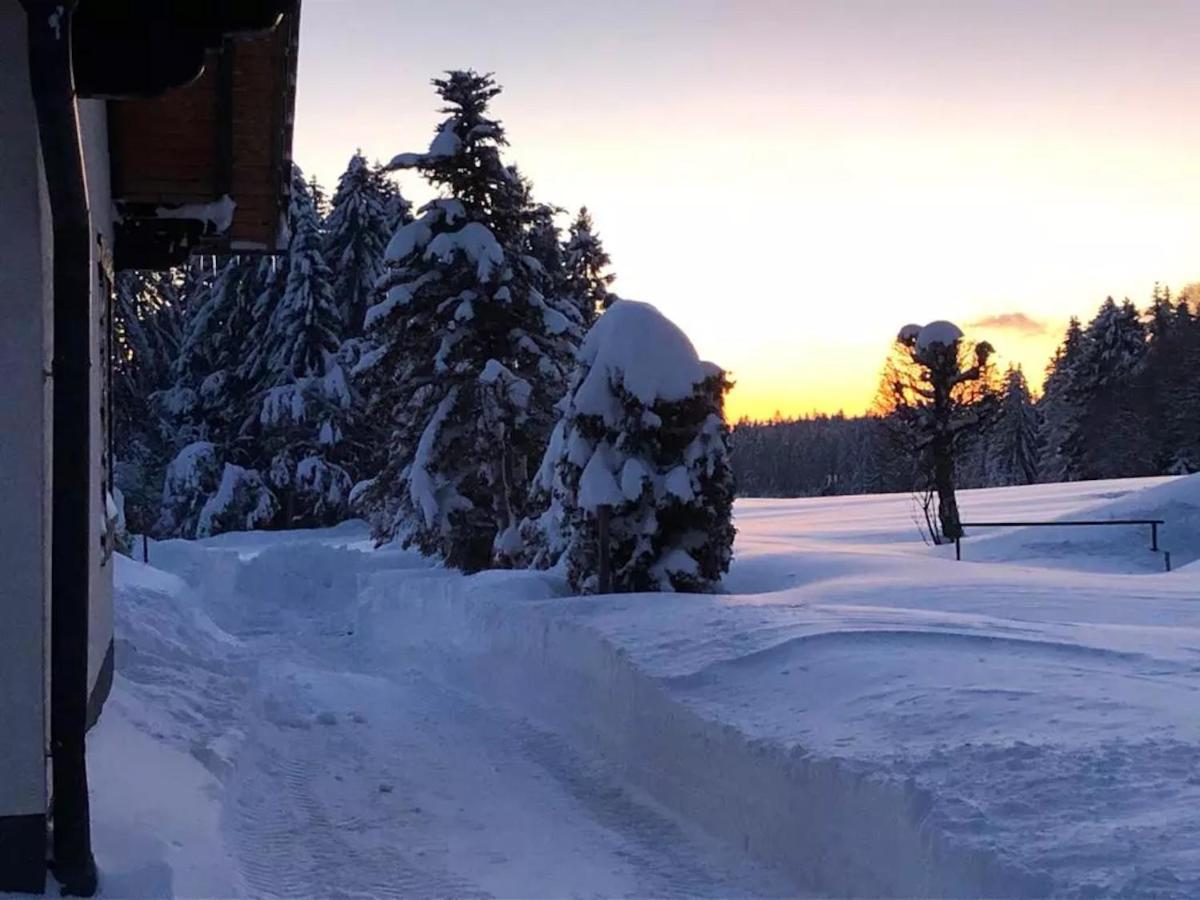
25	418
24	431
93	129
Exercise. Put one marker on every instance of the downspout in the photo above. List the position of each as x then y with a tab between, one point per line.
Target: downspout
53	84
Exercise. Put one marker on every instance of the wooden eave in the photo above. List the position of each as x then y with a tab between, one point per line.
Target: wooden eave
226	134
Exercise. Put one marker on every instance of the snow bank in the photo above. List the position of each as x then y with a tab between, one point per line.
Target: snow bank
882	720
833	825
1110	548
866	715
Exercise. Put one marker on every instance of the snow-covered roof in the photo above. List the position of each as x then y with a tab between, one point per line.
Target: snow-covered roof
637	346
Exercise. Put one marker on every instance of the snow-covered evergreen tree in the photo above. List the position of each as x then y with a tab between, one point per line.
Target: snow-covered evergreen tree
587	277
302	398
320	199
356	231
1012	441
397	210
147	331
1111	439
1061	408
208	398
544	244
642	432
464	362
202	495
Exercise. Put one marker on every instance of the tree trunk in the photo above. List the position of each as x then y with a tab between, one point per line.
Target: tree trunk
943	479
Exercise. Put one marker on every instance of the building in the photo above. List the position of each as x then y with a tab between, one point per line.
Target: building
132	134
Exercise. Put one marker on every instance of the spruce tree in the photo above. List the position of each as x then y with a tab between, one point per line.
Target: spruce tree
642	439
463	363
1112	438
207	400
1062	408
356	231
1012	445
301	395
587	278
396	208
147	331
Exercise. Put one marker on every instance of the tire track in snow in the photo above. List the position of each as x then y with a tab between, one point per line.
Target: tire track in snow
293	814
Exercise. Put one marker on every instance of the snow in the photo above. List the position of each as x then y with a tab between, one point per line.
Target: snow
678	483
636	346
859	715
939	332
422	486
597	485
218	214
474	240
446	143
518	390
634	475
408	239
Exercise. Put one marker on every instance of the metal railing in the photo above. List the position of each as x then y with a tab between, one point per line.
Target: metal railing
1153	523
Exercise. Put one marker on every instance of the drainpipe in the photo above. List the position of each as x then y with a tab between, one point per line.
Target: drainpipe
53	83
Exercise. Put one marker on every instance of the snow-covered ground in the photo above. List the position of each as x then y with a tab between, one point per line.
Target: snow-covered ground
297	714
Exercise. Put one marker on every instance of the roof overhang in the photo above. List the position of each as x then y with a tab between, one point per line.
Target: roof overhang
201	104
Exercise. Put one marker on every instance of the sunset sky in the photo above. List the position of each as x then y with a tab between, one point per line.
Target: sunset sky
793	181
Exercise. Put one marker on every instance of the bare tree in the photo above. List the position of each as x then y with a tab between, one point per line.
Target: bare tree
938	390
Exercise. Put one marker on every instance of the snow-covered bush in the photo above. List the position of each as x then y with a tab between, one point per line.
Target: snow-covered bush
203	496
642	431
191	478
242	502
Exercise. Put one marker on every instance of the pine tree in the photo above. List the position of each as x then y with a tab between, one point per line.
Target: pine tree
396	208
544	245
642	433
208	400
463	364
320	200
587	281
1061	408
1012	445
356	231
301	395
147	326
1112	438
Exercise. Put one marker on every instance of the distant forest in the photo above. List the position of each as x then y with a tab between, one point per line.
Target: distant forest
1120	398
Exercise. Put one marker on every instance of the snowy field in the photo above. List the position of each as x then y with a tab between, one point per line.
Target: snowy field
296	714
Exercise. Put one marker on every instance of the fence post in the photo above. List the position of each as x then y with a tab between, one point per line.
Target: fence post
145	548
958	549
1167	559
1154	536
604	574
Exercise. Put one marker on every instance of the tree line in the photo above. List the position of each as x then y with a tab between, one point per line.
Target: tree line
1120	398
439	372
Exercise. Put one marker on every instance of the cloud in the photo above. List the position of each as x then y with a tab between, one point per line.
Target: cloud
1012	321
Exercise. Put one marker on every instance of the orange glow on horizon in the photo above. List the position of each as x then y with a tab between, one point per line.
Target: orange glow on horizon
791	182
800	395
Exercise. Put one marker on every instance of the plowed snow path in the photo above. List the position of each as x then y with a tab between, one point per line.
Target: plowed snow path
352	783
